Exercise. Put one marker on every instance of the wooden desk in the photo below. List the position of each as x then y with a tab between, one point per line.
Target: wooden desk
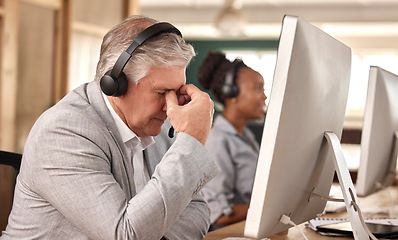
236	230
379	199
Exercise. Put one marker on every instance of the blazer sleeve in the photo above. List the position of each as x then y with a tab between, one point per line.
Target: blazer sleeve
181	168
193	222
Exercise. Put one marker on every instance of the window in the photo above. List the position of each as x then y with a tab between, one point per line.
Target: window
89	25
361	62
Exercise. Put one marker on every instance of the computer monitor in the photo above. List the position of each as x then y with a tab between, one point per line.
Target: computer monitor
300	148
379	133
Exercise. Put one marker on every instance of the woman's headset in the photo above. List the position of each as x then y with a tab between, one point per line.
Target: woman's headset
230	89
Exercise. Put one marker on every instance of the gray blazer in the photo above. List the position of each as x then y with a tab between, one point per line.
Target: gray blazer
75	181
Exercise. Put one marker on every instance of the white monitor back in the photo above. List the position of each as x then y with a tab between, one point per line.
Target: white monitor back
308	97
380	123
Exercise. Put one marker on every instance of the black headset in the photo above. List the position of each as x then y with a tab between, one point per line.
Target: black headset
230	89
114	82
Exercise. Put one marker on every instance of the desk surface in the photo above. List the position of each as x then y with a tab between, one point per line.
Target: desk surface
236	230
379	200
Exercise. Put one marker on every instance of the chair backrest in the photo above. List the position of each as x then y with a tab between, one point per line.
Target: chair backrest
9	169
11	159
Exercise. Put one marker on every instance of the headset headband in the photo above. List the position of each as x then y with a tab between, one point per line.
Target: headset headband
230	75
230	89
158	28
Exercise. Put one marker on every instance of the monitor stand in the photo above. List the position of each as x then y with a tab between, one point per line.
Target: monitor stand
347	187
393	163
389	180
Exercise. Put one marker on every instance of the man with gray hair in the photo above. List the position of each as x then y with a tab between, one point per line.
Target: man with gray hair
104	163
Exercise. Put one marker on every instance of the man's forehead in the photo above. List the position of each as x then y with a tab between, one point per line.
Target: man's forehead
165	78
165	86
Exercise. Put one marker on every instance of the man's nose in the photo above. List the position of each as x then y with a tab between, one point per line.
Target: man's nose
164	108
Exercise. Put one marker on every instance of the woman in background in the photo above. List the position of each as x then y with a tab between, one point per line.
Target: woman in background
240	90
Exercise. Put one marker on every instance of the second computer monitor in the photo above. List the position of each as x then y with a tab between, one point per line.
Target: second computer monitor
380	126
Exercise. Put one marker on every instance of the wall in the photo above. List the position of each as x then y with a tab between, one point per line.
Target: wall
35	67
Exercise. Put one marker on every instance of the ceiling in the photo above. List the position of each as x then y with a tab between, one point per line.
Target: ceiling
351	20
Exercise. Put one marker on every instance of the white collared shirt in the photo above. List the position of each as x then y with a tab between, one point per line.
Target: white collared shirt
136	145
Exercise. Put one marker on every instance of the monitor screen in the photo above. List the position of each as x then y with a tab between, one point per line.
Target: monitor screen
380	125
308	98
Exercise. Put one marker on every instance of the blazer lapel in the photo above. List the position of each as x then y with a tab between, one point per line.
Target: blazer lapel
122	169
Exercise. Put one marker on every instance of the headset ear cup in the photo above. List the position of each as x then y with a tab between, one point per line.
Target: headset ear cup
123	84
235	91
230	91
111	86
108	84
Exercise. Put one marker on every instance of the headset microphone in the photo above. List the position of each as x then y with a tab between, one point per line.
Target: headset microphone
171	132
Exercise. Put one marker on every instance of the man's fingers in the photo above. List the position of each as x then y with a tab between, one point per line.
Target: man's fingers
188	89
183	99
171	99
190	110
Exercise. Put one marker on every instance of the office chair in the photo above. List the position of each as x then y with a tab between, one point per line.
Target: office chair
11	159
9	169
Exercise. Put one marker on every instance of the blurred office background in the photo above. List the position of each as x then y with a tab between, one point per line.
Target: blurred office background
49	47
